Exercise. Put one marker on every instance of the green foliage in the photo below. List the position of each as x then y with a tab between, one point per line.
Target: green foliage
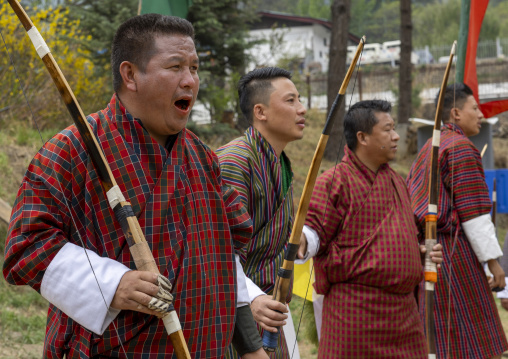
221	28
63	37
100	19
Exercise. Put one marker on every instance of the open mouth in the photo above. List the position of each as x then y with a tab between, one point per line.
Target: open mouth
183	104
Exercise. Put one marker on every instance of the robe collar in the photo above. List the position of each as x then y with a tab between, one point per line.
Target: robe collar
350	157
453	127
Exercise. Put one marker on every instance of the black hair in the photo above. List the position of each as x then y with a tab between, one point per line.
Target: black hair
134	40
455	97
361	117
256	87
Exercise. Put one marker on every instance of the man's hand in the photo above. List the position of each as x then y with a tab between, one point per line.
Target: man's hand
137	289
504	303
258	354
436	255
497	271
268	313
302	250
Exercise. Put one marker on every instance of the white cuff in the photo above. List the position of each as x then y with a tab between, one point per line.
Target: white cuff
312	244
504	293
481	234
254	290
243	293
71	286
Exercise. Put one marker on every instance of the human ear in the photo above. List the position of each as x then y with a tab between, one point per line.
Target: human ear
455	114
361	137
259	112
128	71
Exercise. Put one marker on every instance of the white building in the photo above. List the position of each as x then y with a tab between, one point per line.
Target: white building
285	36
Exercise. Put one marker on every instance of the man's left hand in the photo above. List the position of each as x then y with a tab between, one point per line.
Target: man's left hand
302	250
436	255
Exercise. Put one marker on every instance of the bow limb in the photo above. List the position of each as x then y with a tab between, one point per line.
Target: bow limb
431	217
138	245
282	283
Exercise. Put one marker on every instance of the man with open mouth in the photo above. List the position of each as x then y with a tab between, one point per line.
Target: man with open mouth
100	306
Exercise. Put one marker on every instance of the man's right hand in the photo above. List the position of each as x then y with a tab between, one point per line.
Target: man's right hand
135	290
268	313
504	303
497	271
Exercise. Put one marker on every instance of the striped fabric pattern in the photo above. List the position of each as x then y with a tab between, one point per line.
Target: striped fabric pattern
473	329
368	265
250	165
191	220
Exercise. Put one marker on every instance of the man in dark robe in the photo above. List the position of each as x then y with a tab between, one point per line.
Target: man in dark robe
466	316
369	262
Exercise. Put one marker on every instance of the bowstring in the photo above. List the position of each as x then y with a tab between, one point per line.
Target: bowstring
53	173
326	207
452	251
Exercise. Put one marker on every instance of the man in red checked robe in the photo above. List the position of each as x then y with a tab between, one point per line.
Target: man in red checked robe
369	262
466	316
192	221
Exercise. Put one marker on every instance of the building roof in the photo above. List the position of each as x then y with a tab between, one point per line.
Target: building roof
267	19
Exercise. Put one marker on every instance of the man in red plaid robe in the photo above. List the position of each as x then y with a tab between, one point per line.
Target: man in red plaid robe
192	222
466	317
369	261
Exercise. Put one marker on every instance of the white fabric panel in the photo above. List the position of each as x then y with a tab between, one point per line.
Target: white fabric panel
481	234
254	290
312	244
71	286
243	298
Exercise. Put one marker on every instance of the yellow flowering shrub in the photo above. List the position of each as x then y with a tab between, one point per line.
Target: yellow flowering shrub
63	39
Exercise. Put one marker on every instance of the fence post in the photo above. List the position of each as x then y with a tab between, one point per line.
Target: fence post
309	95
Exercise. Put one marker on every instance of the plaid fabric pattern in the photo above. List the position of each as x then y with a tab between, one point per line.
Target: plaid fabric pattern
250	165
368	264
473	329
191	221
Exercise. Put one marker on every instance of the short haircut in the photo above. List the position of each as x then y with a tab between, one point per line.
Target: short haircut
134	40
455	97
256	87
362	117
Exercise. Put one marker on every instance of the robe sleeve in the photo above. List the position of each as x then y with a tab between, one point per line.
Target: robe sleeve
325	214
37	229
239	219
463	172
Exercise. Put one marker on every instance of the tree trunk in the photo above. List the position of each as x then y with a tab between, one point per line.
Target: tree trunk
340	10
405	89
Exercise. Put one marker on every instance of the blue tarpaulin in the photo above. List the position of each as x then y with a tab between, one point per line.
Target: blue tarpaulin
501	176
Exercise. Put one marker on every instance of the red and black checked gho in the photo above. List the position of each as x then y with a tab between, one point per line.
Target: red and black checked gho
138	246
281	287
431	218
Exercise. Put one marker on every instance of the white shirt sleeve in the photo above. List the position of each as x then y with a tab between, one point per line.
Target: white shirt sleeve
254	290
481	233
312	244
71	286
243	298
504	293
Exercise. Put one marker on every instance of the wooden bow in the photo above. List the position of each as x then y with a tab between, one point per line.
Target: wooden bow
138	245
431	217
282	283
